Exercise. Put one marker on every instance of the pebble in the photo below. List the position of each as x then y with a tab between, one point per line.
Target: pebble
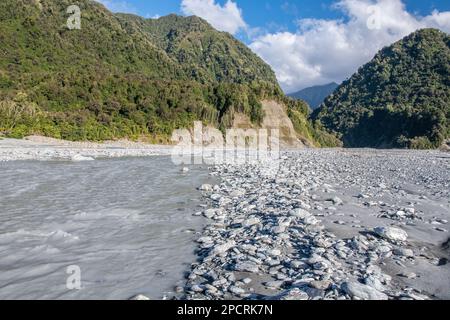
246	267
274	284
403	252
408	275
223	248
293	294
216	197
140	297
206	187
79	158
390	233
269	231
210	213
337	201
361	291
236	290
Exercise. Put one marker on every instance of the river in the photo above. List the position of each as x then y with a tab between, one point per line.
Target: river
116	227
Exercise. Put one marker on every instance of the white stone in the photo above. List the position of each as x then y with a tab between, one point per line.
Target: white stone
140	297
403	252
205	187
79	157
300	213
294	294
362	291
236	290
311	220
274	252
209	213
274	284
391	233
246	267
197	288
337	201
205	240
222	248
374	282
408	275
251	222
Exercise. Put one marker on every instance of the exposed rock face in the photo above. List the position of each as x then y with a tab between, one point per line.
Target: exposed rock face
275	117
446	146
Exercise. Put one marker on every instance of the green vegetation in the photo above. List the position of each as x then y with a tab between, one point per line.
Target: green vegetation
125	76
120	75
299	111
206	54
400	99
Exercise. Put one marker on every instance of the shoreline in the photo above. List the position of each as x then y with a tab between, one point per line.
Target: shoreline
41	148
331	225
45	149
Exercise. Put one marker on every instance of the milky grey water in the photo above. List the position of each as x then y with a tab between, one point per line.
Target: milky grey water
125	222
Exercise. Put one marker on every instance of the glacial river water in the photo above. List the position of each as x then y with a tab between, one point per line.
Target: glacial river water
125	224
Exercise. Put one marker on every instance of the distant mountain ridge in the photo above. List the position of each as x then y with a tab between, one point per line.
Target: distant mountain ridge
315	95
400	99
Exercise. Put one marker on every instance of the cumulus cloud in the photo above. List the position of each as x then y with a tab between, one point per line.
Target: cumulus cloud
118	6
323	51
224	18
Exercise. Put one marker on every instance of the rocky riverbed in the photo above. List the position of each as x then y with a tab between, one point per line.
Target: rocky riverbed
332	224
44	149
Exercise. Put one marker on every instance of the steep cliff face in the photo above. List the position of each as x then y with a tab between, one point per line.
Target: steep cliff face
275	118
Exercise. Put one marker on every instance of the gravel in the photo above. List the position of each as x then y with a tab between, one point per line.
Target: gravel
44	149
332	224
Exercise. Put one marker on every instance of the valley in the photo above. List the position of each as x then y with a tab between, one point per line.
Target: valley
161	158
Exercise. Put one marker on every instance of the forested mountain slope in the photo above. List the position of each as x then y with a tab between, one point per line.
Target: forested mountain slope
399	99
124	76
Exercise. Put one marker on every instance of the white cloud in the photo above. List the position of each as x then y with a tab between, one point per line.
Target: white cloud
224	18
118	6
323	51
152	16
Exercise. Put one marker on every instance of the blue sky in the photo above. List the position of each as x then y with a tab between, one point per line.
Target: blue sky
273	15
306	42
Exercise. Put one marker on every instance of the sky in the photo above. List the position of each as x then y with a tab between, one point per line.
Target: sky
306	42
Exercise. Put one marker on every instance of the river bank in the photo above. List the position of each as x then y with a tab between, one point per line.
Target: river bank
326	224
332	224
42	149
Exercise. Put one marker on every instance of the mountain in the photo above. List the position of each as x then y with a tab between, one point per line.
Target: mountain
206	54
315	95
125	76
400	99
